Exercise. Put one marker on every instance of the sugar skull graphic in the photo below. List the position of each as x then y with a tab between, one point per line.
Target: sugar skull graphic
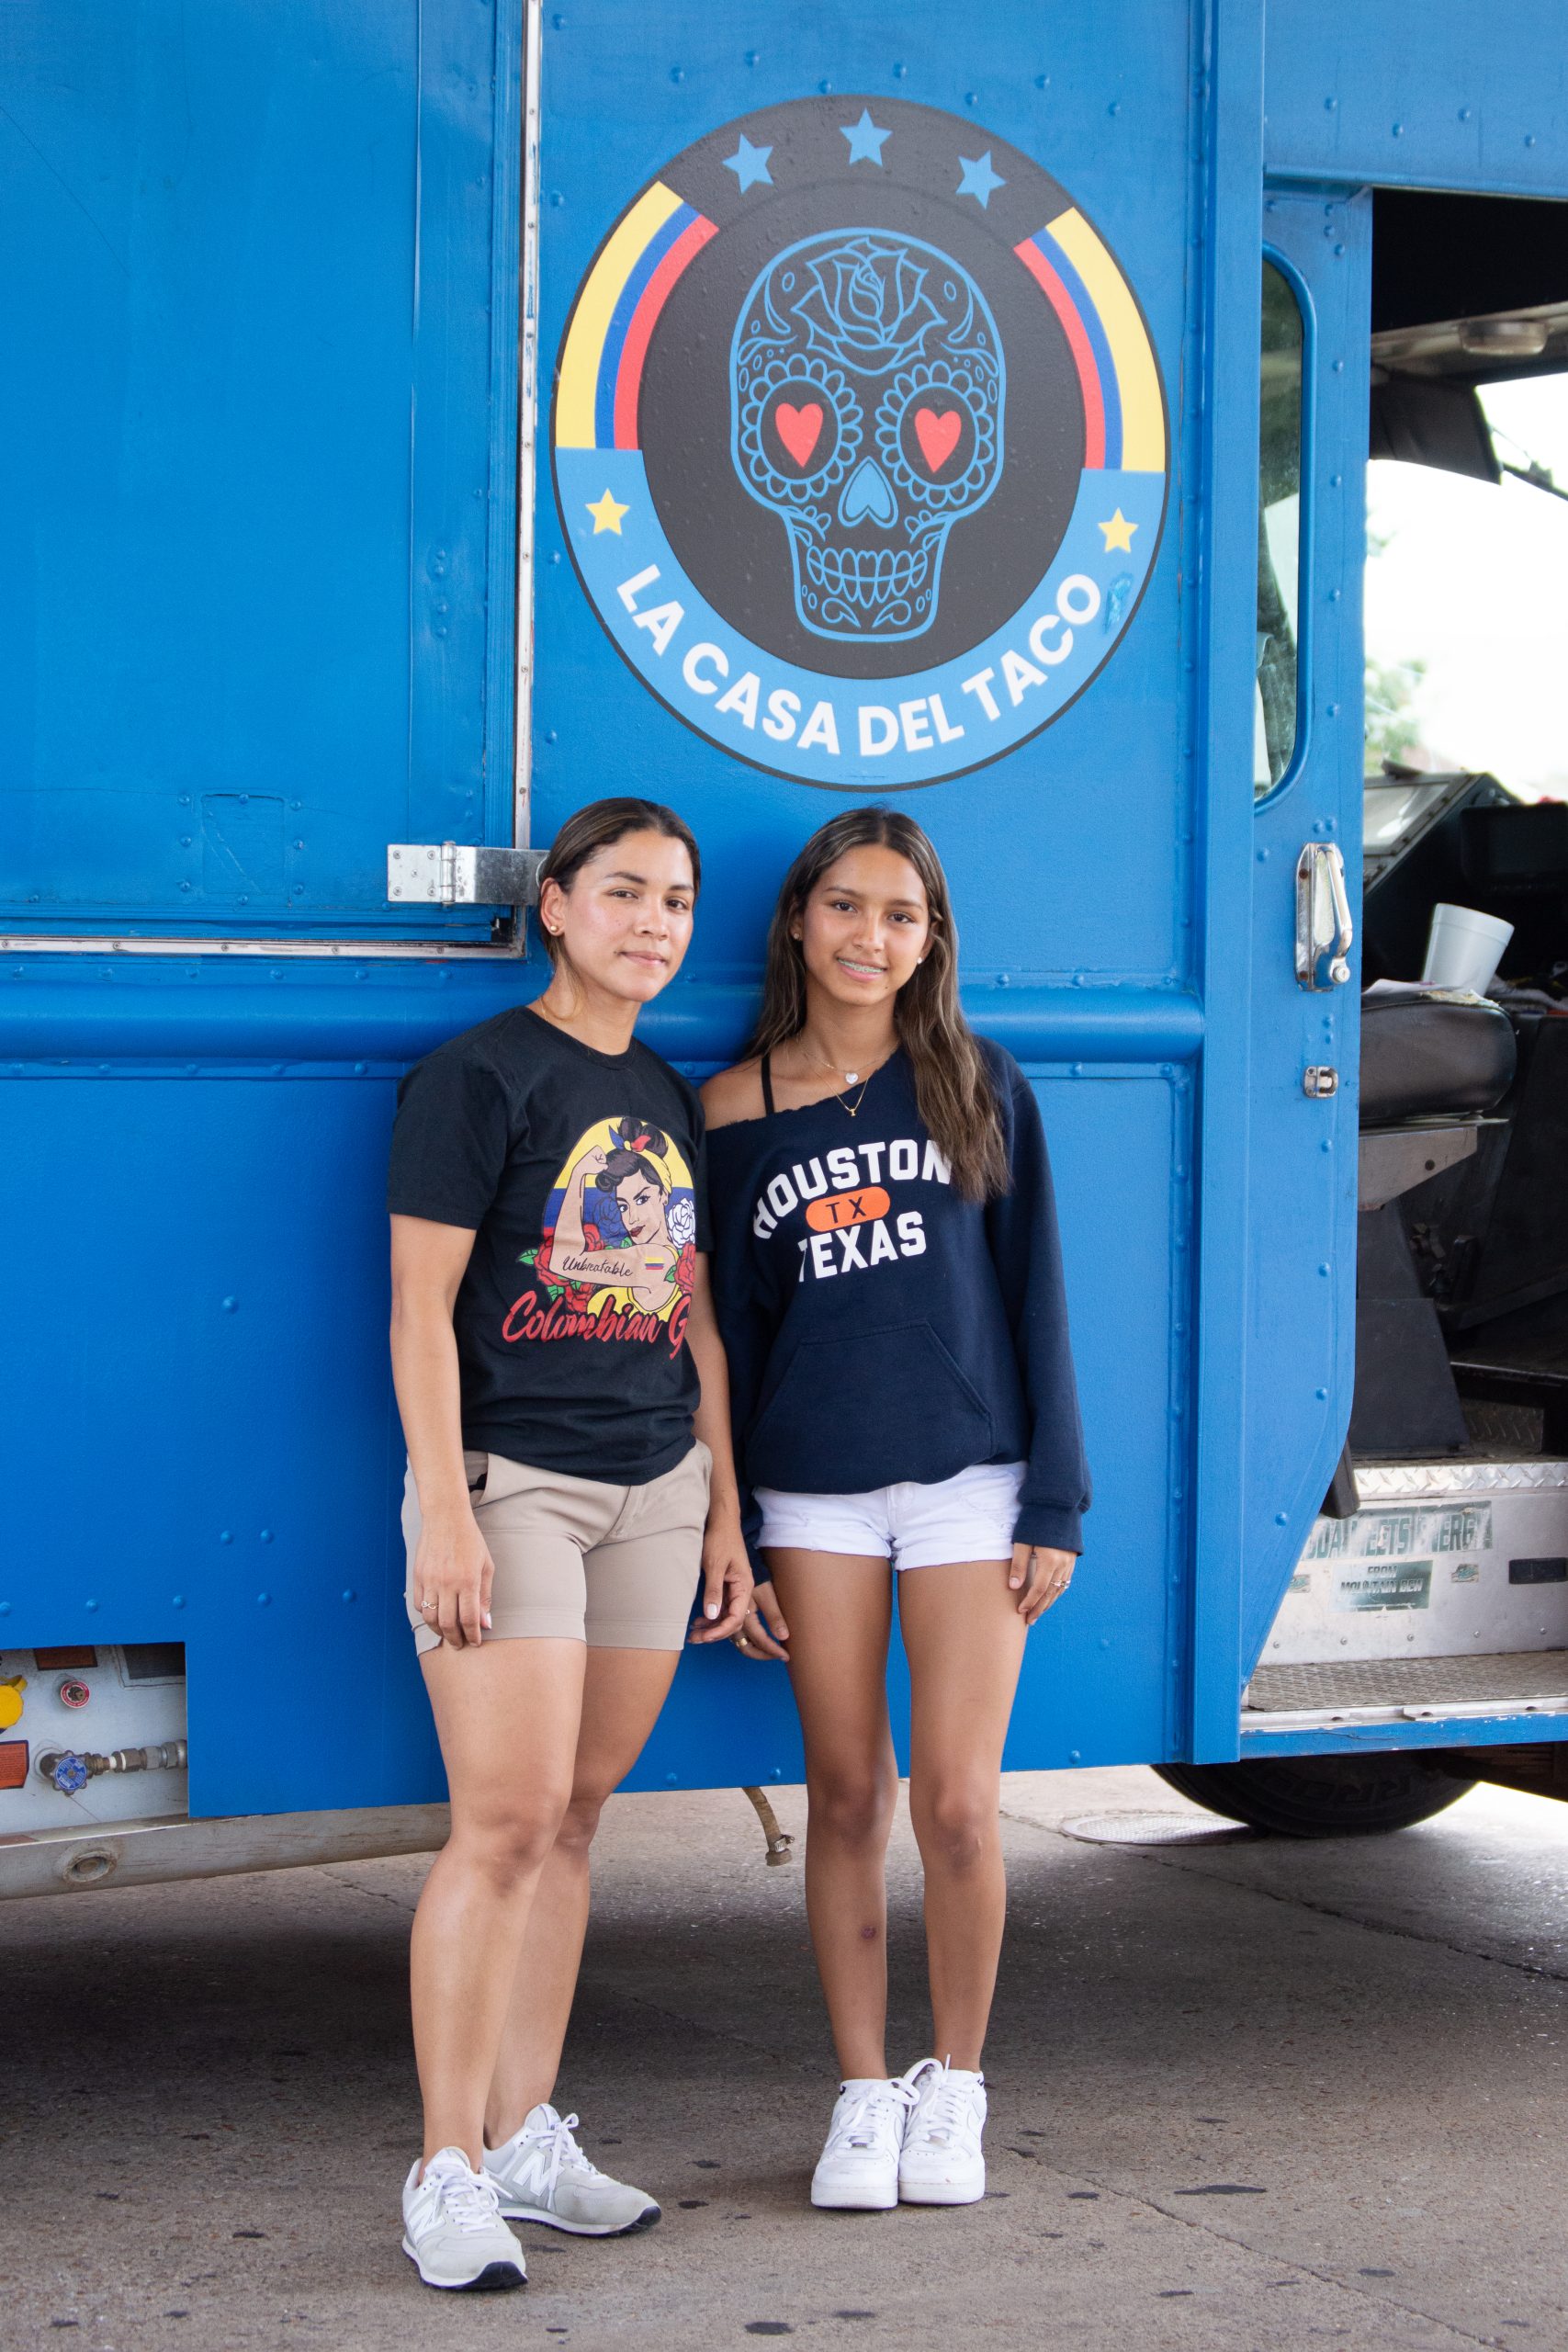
856	415
618	1253
867	391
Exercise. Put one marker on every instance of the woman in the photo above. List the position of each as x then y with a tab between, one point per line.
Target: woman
562	1389
890	1294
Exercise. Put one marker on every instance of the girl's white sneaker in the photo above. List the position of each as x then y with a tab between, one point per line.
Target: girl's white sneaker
453	2232
942	2162
858	2171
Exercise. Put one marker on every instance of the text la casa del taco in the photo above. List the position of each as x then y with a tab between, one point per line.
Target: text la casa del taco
983	699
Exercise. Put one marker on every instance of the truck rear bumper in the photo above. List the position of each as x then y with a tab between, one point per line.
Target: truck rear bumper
142	1853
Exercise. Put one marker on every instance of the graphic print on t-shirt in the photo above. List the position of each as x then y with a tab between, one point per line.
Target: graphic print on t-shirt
618	1254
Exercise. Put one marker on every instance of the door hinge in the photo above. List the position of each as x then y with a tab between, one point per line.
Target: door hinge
454	874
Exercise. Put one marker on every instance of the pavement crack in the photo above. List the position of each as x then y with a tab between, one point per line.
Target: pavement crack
378	1893
1373	1927
1372	2296
1169	1858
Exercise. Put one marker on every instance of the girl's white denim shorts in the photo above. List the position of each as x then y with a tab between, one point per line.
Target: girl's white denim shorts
968	1517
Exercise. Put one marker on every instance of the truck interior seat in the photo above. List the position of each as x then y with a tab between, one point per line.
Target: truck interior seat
1432	1054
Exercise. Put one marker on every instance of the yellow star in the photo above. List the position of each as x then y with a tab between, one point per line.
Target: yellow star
1118	533
607	515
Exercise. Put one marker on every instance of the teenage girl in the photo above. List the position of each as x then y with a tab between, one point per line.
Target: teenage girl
889	1291
562	1389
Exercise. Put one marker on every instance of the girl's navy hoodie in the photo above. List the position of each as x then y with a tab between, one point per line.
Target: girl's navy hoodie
879	1326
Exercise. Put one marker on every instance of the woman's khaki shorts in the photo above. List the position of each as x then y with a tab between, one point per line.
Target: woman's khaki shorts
578	1561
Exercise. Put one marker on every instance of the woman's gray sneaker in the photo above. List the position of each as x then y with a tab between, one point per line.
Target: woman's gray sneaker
541	2174
453	2230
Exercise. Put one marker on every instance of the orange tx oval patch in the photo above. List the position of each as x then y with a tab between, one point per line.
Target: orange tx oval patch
860	1206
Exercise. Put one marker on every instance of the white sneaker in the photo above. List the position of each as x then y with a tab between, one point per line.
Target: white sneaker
453	2229
541	2174
859	2168
943	2161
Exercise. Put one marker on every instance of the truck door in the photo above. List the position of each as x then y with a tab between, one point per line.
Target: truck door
265	578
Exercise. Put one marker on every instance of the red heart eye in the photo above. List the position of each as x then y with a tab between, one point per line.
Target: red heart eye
800	429
937	435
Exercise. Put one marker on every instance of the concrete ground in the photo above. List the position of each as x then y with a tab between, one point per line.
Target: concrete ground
1245	2094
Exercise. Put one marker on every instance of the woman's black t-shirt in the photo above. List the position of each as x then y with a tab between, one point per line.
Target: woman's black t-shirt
581	1176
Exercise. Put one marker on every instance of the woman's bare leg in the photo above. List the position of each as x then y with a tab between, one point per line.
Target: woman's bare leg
507	1713
964	1641
622	1693
840	1612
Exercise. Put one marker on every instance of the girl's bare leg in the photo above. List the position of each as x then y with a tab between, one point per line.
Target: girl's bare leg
507	1713
840	1612
964	1641
622	1693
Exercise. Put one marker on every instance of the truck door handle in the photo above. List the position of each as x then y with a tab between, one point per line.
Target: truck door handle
1324	928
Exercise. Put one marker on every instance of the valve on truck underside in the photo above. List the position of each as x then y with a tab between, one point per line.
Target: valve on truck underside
69	1772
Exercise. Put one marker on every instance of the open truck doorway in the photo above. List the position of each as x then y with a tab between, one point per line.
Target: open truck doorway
1435	1585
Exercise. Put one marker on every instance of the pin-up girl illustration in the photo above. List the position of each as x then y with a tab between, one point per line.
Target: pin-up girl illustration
648	1264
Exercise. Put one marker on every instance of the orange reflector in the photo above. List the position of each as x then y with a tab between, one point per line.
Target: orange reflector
12	1763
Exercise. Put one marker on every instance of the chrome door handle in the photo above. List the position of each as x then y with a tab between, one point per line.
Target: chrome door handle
1324	928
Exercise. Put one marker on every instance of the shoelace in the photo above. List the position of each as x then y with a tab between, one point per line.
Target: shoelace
563	2149
946	2107
865	2121
469	2202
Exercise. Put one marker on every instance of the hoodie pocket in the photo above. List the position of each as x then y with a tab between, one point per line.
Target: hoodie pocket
851	1414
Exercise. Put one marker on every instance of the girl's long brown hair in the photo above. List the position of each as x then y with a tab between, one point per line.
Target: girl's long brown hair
953	1086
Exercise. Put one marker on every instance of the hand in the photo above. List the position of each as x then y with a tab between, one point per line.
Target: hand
1038	1576
727	1580
453	1573
764	1633
595	1157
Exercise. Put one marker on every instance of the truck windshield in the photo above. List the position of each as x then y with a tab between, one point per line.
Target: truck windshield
1467	607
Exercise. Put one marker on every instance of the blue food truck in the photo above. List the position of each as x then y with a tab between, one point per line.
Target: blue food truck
423	416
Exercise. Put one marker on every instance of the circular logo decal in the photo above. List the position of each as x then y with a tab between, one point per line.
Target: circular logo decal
860	442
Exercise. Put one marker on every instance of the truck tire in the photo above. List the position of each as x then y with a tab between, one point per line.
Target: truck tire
1322	1796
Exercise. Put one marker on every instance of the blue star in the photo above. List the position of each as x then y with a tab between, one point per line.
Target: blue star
978	180
865	139
750	164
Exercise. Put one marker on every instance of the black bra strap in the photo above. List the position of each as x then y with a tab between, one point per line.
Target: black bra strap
765	1072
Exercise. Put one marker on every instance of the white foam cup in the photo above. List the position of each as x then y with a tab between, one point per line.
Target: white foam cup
1464	948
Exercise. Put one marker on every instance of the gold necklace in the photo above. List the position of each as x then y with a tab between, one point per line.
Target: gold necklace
852	1078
